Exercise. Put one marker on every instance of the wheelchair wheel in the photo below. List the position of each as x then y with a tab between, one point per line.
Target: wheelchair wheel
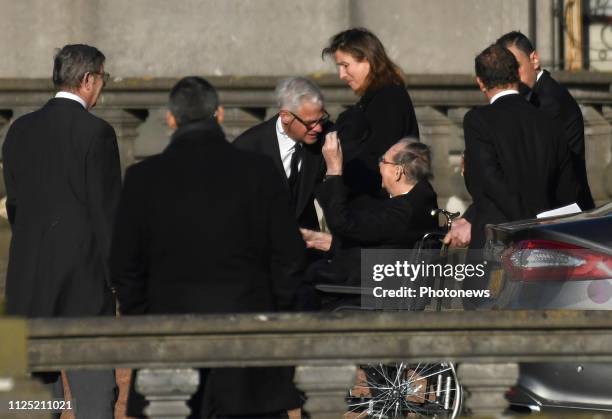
401	390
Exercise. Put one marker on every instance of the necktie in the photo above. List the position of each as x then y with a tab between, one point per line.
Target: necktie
295	174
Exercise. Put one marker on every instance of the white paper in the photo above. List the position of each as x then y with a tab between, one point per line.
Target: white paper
566	210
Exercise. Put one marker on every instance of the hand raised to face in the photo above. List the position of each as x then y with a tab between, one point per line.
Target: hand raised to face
332	153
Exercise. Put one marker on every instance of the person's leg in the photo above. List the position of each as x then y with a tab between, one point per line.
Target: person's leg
56	390
94	393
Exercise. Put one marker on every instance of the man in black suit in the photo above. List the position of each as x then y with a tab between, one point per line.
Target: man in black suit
548	95
291	140
516	161
63	179
205	228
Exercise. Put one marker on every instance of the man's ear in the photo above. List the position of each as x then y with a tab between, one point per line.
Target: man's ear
88	82
534	58
171	120
220	114
399	171
284	116
480	84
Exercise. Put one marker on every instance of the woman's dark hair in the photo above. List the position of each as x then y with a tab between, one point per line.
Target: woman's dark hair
362	44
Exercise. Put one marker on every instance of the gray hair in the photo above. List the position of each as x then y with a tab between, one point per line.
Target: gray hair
72	62
292	92
415	159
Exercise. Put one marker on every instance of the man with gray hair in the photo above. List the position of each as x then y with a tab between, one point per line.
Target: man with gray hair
63	179
291	139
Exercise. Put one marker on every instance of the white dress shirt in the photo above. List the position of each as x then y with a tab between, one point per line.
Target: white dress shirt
503	93
287	148
72	96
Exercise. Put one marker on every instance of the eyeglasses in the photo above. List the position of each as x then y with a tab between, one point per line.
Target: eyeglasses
312	125
105	76
381	160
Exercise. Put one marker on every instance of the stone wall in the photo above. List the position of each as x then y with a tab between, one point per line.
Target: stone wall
161	38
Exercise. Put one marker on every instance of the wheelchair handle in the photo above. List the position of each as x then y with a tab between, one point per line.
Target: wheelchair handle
449	216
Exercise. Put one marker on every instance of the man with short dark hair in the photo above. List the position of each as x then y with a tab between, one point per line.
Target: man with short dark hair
516	164
63	179
205	228
546	94
291	139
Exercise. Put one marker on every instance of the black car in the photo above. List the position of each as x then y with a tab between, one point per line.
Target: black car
553	263
560	262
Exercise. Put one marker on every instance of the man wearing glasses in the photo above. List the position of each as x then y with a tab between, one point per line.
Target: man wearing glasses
291	140
63	179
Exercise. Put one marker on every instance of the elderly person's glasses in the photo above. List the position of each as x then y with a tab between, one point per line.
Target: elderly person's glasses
381	160
312	124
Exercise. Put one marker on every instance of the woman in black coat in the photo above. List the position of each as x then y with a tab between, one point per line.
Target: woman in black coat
384	113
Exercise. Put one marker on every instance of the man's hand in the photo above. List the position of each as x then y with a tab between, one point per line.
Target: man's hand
332	153
460	233
316	239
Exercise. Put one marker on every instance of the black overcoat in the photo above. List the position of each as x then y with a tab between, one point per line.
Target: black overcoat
379	119
206	228
63	179
558	103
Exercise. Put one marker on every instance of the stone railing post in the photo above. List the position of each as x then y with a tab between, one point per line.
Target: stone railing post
125	122
442	135
598	151
326	388
14	382
167	391
484	386
607	113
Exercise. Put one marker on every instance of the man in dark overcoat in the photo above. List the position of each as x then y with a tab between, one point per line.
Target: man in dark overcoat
206	228
63	179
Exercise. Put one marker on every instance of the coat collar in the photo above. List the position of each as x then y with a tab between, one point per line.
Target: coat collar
194	132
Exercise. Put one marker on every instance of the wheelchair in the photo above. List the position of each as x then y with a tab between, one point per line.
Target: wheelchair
402	389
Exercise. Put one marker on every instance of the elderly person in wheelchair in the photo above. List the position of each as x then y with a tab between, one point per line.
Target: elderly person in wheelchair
397	222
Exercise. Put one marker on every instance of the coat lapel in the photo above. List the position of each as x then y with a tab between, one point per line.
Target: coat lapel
270	147
311	164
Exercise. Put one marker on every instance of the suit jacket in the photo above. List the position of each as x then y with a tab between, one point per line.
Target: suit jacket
397	222
63	179
262	139
378	120
557	102
516	164
206	228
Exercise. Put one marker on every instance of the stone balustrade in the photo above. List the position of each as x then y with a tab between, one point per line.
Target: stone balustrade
136	107
325	347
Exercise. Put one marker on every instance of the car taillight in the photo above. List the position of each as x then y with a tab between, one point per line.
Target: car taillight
545	260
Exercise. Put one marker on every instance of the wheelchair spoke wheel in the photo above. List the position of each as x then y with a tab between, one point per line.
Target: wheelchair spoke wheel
401	390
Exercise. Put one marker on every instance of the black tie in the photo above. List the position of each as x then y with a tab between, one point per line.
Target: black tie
294	177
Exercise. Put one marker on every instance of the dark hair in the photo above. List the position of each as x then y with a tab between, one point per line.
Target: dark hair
496	66
193	99
517	39
362	44
415	159
72	62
